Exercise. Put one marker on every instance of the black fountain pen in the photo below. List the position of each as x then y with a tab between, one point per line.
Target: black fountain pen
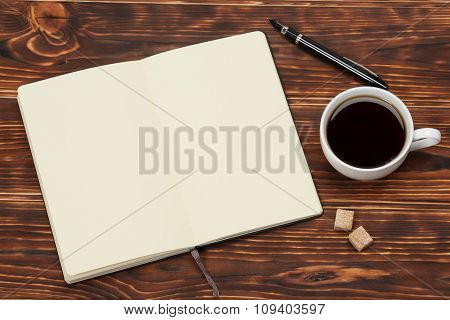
355	68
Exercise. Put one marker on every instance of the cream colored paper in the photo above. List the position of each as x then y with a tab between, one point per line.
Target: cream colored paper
83	129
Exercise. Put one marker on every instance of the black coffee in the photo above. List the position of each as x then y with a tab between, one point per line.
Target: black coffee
365	135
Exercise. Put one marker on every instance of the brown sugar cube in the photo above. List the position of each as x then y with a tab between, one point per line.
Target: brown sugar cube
344	220
360	239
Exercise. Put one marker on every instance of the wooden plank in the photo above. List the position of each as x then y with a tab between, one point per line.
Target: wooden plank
408	213
277	3
127	32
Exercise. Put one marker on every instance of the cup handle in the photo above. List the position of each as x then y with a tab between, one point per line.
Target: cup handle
424	138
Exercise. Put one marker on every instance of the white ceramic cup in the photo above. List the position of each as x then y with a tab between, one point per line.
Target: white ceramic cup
414	139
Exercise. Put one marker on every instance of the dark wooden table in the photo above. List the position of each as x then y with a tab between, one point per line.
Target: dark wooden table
408	213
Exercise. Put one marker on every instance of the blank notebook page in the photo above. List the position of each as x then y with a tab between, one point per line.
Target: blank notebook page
233	82
83	129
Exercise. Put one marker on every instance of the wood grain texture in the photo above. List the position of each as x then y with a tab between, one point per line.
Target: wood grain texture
407	214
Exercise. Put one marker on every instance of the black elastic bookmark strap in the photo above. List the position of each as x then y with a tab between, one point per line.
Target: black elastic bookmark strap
208	277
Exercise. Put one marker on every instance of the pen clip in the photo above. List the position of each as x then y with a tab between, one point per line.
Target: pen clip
362	67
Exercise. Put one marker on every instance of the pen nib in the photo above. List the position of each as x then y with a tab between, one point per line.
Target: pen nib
276	24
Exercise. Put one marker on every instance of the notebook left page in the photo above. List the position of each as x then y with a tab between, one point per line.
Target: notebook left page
83	129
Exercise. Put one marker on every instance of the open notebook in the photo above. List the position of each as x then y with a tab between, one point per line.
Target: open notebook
84	133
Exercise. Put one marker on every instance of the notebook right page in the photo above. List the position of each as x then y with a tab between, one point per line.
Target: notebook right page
251	172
